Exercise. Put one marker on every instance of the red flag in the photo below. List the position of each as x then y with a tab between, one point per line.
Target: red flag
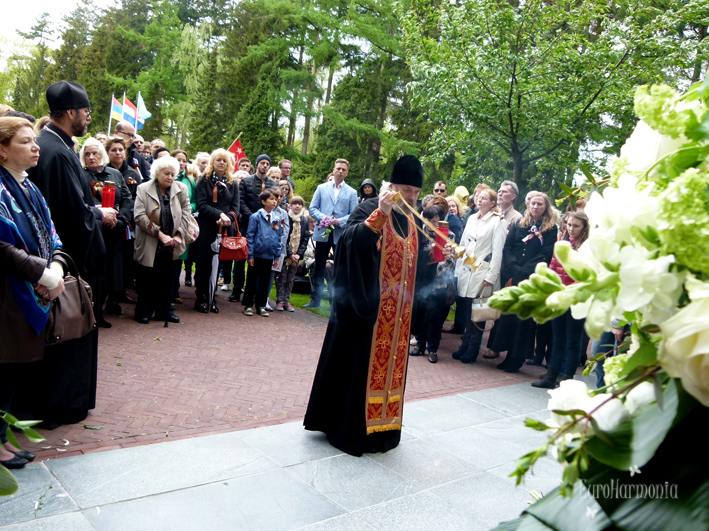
237	150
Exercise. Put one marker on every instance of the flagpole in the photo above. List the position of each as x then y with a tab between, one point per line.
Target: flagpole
123	110
110	114
238	137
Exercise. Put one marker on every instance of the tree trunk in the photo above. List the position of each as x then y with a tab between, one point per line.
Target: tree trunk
293	115
308	112
518	167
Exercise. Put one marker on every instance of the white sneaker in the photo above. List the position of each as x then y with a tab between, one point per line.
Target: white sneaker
268	307
226	287
413	341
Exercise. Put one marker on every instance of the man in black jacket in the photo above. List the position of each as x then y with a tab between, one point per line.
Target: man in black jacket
134	157
249	190
59	177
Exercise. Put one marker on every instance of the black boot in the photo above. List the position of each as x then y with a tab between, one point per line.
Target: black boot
548	382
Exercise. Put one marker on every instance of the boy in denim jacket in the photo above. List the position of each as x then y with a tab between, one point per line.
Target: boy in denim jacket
264	238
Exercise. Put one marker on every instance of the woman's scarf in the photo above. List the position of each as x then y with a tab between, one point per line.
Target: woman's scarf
26	224
221	182
167	224
294	241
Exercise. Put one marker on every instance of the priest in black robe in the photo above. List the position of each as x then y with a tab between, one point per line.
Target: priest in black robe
357	397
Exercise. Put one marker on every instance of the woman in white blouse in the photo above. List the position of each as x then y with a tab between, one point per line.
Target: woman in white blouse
483	238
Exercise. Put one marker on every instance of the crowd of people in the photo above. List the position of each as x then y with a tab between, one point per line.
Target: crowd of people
132	215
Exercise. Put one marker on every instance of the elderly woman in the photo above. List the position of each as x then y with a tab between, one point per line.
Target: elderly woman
217	195
94	160
530	241
29	278
162	214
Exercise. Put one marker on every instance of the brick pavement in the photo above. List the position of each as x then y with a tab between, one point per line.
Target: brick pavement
225	372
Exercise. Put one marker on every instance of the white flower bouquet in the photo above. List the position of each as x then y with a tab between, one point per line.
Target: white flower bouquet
633	450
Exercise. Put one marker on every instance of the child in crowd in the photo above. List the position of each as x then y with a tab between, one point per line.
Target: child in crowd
296	243
264	242
281	213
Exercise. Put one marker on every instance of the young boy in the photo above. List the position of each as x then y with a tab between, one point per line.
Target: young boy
264	241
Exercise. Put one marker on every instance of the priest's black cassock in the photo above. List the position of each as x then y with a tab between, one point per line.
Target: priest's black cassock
358	391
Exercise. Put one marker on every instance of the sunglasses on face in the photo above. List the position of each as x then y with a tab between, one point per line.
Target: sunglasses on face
440	190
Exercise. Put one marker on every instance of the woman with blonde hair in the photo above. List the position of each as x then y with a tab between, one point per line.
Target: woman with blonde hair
455	214
529	242
216	197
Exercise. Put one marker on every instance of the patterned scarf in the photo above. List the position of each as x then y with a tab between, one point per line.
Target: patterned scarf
294	241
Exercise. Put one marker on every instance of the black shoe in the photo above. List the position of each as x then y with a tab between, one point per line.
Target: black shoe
467	360
141	320
416	351
511	371
24	454
103	323
15	462
457	353
202	307
213	308
312	304
548	382
501	366
234	297
113	308
433	357
452	330
534	362
188	282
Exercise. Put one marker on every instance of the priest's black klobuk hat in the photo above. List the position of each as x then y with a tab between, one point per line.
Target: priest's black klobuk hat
407	170
64	95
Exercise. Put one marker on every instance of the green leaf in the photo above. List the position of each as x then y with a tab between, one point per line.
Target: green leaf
535	424
8	483
644	356
32	435
573	512
635	440
22	424
89	427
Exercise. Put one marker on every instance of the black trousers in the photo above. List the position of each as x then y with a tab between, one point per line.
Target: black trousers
436	313
239	276
202	276
258	280
322	251
154	285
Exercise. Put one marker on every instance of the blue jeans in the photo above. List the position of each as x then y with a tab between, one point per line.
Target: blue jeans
605	343
567	336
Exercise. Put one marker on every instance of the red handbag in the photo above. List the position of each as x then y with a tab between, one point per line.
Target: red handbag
233	247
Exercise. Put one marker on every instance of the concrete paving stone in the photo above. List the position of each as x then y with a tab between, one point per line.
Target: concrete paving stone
109	477
425	464
346	522
35	483
476	447
514	431
289	444
62	522
486	497
353	482
422	511
544	476
430	417
512	399
271	501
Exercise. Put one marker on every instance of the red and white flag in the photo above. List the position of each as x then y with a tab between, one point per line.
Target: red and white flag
237	150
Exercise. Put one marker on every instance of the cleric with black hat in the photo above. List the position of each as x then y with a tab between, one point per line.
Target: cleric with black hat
66	379
357	398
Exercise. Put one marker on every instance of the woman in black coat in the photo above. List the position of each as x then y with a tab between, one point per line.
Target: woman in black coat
530	241
216	196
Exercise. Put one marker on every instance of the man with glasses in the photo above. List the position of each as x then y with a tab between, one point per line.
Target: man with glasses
285	166
134	158
440	189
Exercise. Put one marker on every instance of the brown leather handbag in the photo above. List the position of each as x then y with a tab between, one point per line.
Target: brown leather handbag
233	247
71	315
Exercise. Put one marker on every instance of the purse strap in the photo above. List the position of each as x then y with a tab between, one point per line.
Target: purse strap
481	295
236	220
152	213
67	261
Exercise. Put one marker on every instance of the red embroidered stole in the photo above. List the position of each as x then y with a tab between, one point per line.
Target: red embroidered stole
390	341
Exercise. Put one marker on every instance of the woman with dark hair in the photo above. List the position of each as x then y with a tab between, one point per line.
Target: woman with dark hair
187	176
529	242
162	214
94	160
367	190
216	195
116	149
29	276
567	332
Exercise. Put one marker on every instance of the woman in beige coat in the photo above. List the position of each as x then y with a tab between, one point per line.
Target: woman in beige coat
483	238
162	214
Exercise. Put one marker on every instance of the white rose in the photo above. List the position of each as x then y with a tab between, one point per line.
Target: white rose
646	146
573	394
684	352
640	395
